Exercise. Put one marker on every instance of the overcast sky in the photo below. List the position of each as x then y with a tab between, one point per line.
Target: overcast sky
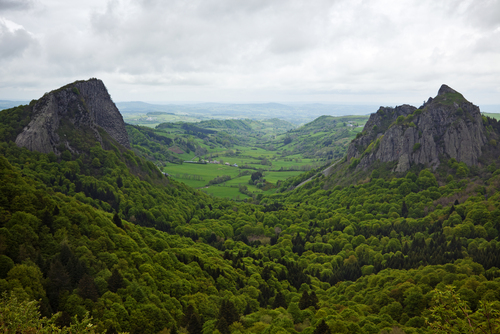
341	51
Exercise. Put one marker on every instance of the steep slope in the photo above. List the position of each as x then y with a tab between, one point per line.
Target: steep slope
447	126
75	111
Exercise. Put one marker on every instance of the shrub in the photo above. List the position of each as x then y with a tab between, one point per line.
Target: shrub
354	163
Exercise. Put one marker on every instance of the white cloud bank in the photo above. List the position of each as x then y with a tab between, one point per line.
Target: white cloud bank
355	51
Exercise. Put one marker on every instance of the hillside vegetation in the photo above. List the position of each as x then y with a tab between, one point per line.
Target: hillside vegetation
104	234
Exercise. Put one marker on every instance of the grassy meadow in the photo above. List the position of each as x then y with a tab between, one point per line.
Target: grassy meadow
199	175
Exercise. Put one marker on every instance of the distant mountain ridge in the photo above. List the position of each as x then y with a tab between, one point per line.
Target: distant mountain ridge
295	113
72	117
447	126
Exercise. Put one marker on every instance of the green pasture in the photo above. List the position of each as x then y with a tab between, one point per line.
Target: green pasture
278	164
227	192
255	151
189	182
198	176
274	177
207	172
237	160
243	180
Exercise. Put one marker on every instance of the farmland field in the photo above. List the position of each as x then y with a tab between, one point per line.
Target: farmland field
199	175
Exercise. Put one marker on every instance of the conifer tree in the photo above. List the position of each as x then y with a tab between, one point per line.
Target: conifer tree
304	301
195	325
58	280
47	219
279	301
117	221
228	312
87	288
222	326
76	270
119	182
66	254
187	315
404	210
313	300
115	281
248	309
322	328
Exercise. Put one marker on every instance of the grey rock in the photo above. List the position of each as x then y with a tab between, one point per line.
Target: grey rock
447	126
86	105
446	89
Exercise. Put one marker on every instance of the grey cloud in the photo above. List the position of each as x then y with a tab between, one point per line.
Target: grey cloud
315	44
488	43
14	43
106	23
16	4
483	13
247	48
212	33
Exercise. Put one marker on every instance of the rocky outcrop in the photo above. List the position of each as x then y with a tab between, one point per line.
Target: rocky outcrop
447	126
83	106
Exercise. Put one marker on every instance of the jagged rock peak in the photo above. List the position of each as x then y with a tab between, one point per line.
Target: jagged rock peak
78	109
446	89
447	126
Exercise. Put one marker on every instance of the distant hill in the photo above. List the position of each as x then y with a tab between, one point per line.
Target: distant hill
296	113
230	125
4	104
325	137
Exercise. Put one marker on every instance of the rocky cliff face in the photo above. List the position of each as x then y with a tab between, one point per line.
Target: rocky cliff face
447	126
83	106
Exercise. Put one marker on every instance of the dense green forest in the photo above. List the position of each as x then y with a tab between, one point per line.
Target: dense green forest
104	238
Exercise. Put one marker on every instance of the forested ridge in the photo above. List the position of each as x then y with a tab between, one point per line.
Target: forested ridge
105	234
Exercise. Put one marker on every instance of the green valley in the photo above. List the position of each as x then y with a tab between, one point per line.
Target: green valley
196	153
